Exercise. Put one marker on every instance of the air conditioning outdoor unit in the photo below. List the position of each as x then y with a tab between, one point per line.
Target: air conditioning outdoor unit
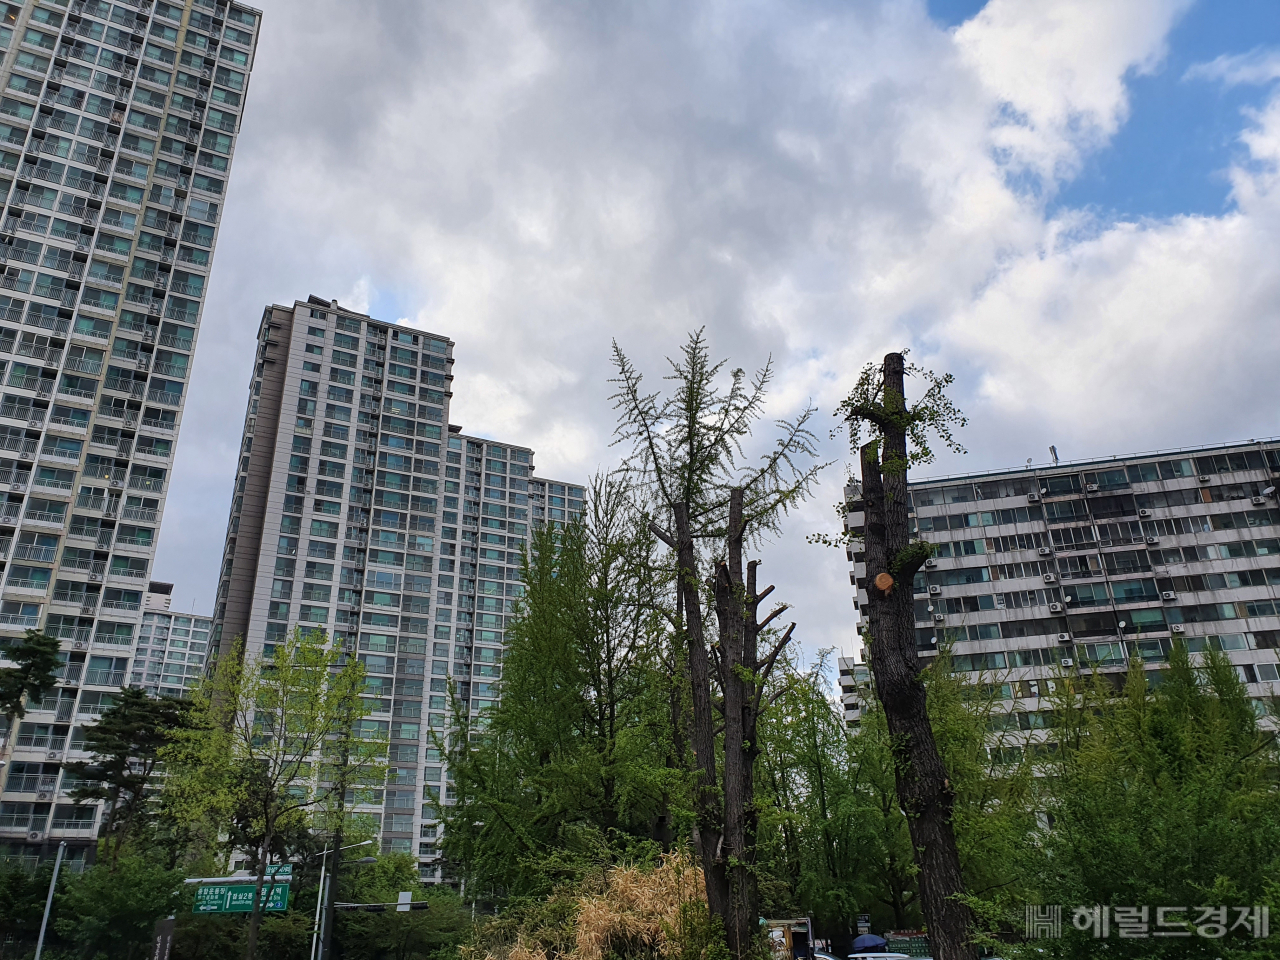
117	484
15	486
1091	488
1177	628
939	617
44	795
1153	539
1258	501
1068	663
53	755
1064	638
1033	497
1168	595
935	591
1144	513
1055	608
1045	552
931	562
1050	578
34	836
1204	478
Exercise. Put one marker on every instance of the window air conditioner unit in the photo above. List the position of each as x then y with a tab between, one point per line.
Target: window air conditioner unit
1168	595
1144	513
1045	552
1153	540
931	562
1177	628
1050	578
1204	478
1055	608
1091	488
935	591
939	617
1064	638
1068	663
1033	497
1258	501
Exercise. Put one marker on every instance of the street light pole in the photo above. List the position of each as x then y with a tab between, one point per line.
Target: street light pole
315	928
48	903
322	907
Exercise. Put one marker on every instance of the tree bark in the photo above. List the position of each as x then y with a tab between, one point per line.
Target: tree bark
923	788
255	917
735	613
708	810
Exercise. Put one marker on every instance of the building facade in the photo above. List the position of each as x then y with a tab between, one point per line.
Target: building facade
118	125
172	647
1084	566
359	510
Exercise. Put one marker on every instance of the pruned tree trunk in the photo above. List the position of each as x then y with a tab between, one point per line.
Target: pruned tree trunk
738	668
726	817
923	788
708	809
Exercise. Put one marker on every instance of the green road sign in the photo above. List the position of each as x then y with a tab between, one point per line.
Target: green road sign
238	898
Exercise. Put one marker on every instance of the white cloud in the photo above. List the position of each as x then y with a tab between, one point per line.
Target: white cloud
1261	65
811	179
1056	70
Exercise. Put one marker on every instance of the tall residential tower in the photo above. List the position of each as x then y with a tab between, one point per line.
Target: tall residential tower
359	510
118	124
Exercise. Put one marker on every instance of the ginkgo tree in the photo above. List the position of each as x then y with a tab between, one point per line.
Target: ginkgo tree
897	436
711	501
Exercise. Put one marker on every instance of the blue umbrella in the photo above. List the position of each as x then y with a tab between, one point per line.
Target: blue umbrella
869	942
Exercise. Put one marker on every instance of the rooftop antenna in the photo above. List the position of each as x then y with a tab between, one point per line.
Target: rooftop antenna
1053	452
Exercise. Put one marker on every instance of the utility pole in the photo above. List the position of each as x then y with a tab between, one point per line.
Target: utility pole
48	903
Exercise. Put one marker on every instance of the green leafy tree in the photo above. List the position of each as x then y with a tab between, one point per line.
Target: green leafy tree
431	934
125	746
573	758
1157	795
22	899
111	910
251	753
820	820
33	674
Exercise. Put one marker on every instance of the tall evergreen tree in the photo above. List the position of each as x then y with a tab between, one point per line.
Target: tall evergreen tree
125	747
571	761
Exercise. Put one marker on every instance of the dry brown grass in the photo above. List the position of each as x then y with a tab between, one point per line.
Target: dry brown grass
634	914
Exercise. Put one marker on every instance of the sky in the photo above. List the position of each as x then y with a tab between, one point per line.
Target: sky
1071	205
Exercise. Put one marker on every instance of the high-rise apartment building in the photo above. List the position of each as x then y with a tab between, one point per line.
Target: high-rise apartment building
118	123
359	510
172	647
1084	566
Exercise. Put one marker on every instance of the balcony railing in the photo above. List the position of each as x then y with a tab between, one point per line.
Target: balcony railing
103	678
29	551
166	397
